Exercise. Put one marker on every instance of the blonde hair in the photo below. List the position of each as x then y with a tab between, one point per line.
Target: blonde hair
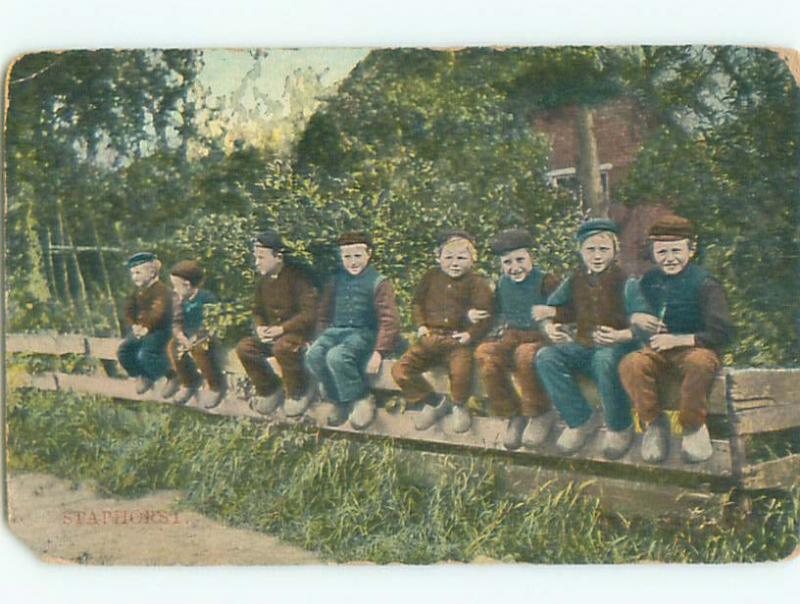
459	241
609	235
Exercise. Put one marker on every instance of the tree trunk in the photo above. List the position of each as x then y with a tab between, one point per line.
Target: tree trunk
106	283
588	168
62	270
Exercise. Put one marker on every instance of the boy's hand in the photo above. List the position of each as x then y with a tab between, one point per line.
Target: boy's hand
261	332
374	363
274	332
474	315
556	334
139	331
668	341
647	323
183	342
463	337
606	336
423	331
542	312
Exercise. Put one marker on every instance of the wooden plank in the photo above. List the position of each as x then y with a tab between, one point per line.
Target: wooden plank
45	344
773	386
485	434
768	419
103	348
778	473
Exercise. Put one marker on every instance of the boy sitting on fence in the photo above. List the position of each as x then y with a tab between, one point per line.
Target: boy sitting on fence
191	346
598	298
359	325
446	336
688	324
148	312
284	312
515	341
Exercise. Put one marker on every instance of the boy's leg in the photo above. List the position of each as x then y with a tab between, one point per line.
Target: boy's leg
605	371
317	363
288	351
532	393
203	355
152	355
494	360
182	364
346	363
459	362
639	372
556	366
253	354
127	356
698	367
407	372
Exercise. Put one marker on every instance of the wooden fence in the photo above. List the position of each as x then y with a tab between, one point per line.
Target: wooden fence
745	402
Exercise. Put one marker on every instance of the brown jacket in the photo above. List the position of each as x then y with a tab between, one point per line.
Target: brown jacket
594	300
385	311
288	299
150	307
441	302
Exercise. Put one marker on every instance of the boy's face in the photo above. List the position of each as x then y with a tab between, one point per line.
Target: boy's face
455	258
266	260
598	251
517	264
355	258
672	256
142	274
183	287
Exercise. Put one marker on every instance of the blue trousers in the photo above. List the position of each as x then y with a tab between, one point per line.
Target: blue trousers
338	359
145	356
557	366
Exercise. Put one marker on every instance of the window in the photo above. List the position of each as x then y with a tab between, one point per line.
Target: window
567	178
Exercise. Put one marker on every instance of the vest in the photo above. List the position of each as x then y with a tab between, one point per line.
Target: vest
598	300
516	299
354	299
677	297
193	311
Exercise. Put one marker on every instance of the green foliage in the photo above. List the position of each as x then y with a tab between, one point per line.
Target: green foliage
362	501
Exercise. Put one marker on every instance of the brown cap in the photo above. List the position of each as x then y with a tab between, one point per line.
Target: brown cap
354	238
510	240
671	228
189	270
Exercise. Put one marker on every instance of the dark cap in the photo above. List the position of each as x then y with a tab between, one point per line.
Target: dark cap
189	270
354	238
671	228
141	258
271	239
510	240
593	226
449	234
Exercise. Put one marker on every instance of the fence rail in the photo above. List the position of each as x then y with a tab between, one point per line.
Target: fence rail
752	401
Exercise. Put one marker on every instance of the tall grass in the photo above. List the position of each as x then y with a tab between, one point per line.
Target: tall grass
351	501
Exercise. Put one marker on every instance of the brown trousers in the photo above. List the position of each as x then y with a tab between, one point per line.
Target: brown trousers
428	352
200	356
641	371
288	351
513	355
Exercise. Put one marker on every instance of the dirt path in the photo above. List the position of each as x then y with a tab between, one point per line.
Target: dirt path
62	524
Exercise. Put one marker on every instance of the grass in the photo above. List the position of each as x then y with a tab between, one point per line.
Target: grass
351	501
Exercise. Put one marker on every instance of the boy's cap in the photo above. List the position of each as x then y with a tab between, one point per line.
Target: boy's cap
271	239
189	270
671	228
446	236
594	226
511	239
354	238
140	258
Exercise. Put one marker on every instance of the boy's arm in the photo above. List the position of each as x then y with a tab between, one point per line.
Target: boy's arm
716	316
177	316
550	283
482	299
259	312
417	303
130	310
388	318
307	299
160	307
325	310
563	302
